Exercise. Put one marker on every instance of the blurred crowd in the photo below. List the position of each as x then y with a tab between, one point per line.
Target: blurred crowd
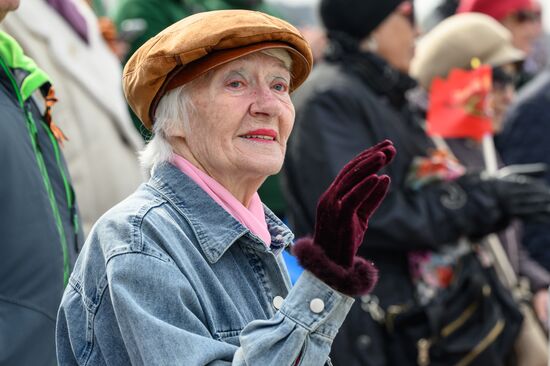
70	151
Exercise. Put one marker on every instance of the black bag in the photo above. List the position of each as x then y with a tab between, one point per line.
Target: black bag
474	321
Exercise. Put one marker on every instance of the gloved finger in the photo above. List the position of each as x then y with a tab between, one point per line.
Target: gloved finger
354	197
386	147
373	201
355	176
366	196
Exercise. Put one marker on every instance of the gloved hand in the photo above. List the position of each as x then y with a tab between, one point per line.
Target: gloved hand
523	197
492	202
342	217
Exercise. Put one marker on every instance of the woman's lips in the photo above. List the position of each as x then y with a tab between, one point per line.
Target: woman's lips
262	134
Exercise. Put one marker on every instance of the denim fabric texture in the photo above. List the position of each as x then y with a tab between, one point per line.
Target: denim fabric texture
168	277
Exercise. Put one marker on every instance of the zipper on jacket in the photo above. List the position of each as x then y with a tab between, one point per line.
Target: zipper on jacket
33	133
69	192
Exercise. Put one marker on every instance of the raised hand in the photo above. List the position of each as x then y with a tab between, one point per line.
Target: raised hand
342	218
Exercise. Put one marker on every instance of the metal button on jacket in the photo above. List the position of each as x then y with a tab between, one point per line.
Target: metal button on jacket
278	302
317	305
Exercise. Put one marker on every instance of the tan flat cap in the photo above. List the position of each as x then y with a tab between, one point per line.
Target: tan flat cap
200	42
454	42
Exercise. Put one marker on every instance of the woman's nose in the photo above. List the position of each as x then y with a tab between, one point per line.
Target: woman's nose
264	102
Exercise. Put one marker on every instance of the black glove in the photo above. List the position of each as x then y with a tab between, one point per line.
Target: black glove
491	202
523	197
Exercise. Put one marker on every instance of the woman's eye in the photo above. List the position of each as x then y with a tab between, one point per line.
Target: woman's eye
280	87
235	84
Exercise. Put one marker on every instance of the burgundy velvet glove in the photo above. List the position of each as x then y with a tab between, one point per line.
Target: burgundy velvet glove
342	218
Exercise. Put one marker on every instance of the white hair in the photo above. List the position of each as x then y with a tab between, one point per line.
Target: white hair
174	111
171	116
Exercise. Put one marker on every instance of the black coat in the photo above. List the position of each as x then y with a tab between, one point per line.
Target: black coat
345	107
524	140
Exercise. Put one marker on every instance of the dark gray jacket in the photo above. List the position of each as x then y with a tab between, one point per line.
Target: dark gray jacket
524	140
470	154
39	232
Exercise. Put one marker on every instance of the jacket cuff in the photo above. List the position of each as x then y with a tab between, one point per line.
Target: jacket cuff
316	306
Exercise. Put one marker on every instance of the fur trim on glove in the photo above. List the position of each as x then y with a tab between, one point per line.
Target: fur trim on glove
359	279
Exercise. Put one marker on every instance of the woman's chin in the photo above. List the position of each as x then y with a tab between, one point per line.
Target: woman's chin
261	169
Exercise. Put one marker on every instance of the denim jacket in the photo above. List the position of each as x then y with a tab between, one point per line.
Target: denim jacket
168	277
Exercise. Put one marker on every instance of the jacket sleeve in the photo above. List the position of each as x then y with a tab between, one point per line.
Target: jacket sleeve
329	131
525	140
181	336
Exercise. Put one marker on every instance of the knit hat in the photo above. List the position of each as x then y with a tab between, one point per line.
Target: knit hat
198	43
454	42
356	18
498	9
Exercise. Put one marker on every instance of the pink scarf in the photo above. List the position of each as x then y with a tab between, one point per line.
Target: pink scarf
252	217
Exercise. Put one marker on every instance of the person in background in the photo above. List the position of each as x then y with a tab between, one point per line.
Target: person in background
523	19
453	44
63	37
108	29
358	96
188	269
522	141
39	231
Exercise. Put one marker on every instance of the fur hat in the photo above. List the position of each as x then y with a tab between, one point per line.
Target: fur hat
201	42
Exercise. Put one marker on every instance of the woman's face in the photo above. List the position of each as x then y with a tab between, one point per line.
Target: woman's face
526	28
243	119
395	37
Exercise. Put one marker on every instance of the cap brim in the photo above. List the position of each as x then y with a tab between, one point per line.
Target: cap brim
506	55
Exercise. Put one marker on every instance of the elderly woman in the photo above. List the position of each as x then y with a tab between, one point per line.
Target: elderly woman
188	269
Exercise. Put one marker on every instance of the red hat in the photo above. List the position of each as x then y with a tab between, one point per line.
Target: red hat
498	9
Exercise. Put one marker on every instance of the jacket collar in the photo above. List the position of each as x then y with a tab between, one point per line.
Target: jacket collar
215	229
373	70
31	77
